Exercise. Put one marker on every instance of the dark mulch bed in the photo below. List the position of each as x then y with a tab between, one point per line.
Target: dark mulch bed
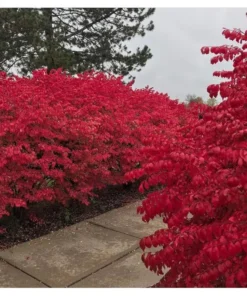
20	229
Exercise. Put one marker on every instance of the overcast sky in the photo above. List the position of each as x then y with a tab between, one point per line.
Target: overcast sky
178	67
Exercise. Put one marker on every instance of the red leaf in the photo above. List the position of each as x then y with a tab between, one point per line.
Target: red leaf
148	242
241	278
244	245
142	244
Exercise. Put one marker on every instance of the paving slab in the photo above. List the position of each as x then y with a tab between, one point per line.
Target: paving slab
11	277
128	272
61	258
126	220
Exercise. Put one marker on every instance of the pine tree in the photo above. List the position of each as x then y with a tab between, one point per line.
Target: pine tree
75	39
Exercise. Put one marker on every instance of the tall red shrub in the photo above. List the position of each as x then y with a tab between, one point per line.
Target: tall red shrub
201	170
61	137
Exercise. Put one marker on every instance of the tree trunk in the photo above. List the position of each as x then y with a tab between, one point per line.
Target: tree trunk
49	39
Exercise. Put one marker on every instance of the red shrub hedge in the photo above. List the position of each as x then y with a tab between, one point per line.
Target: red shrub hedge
61	137
202	172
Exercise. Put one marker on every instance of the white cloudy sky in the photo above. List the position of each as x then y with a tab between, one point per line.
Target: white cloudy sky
178	67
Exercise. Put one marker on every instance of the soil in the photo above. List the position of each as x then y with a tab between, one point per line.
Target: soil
53	217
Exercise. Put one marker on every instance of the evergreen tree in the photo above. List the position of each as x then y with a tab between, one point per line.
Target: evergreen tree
75	39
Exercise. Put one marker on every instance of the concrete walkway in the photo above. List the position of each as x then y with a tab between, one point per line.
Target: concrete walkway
99	252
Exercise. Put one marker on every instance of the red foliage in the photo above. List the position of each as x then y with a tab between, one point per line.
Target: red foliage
201	173
61	137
